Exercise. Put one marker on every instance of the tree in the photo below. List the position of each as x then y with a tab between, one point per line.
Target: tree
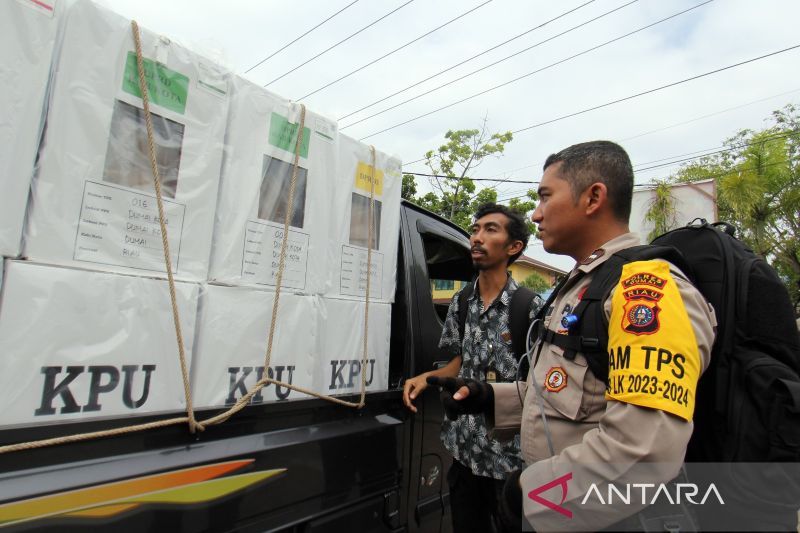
758	183
536	283
455	195
661	211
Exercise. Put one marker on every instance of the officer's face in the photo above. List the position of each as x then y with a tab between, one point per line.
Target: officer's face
558	216
489	242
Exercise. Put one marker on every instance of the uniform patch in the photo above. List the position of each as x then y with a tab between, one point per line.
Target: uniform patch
556	379
644	278
506	336
594	256
653	359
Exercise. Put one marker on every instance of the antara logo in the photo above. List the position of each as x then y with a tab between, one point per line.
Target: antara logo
672	492
562	482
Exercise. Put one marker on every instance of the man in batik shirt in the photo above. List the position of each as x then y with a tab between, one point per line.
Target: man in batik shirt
480	464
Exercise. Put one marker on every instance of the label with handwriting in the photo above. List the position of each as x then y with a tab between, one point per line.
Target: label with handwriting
121	227
262	253
353	275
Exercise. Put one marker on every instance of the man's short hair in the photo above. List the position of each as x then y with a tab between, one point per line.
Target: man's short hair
515	227
598	161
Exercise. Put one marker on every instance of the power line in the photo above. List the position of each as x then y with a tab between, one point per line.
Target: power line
708	115
298	38
720	150
492	65
638	168
337	44
710	176
395	50
465	61
673	84
532	73
695	119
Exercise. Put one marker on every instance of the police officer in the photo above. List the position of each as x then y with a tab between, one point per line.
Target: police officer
576	431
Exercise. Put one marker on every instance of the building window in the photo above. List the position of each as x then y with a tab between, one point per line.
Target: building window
443	284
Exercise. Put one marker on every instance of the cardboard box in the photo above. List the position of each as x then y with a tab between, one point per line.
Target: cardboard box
342	338
93	200
80	345
233	327
28	31
260	144
350	223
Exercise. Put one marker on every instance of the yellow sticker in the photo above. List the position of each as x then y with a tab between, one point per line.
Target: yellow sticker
653	360
364	178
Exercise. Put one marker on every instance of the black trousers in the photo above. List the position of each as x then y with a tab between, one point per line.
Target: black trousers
473	500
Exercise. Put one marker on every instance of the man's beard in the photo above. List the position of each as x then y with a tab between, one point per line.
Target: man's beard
480	266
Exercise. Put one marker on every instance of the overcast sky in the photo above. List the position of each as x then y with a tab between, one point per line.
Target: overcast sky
717	34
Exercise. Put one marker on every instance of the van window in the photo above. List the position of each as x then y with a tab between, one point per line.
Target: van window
449	268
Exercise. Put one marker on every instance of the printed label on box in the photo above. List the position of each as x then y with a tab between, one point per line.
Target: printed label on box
262	252
122	227
353	276
364	177
165	87
283	135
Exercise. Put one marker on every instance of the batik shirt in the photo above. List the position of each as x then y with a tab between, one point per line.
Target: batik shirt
486	347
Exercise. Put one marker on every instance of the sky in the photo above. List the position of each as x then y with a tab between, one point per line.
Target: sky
250	37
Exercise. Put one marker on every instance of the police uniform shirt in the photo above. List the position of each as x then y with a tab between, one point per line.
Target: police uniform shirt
661	330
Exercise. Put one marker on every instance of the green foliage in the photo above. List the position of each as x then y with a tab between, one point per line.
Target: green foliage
662	211
524	206
409	190
536	283
455	195
758	191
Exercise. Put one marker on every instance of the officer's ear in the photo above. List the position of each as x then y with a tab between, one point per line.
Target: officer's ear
595	198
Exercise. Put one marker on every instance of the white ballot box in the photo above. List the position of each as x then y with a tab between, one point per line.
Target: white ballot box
93	200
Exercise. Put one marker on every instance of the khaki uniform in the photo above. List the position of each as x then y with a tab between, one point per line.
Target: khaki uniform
596	437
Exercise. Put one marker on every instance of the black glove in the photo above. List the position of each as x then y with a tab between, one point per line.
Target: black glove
509	508
481	396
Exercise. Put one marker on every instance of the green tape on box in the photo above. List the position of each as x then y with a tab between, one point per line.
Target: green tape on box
283	135
165	87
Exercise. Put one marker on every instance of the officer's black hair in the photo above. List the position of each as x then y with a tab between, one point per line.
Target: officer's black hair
598	161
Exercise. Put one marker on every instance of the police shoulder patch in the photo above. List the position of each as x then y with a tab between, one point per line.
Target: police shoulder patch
653	356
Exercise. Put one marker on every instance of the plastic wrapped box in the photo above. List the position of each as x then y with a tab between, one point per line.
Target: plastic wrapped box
254	193
28	31
233	327
79	344
349	223
342	341
93	201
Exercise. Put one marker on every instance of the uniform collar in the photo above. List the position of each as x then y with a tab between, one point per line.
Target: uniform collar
601	255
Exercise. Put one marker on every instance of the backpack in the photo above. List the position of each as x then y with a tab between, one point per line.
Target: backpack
518	318
748	401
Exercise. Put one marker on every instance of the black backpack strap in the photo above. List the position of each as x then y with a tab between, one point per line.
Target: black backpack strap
518	323
463	296
589	336
518	318
550	299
